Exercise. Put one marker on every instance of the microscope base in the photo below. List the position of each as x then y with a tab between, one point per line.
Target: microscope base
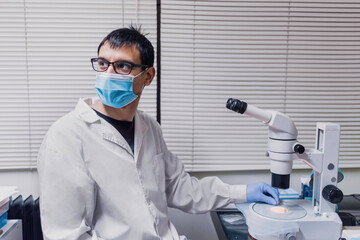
292	219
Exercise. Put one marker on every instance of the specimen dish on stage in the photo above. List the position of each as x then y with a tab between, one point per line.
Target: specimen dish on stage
287	210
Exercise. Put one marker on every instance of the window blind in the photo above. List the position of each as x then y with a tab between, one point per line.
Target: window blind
297	57
45	51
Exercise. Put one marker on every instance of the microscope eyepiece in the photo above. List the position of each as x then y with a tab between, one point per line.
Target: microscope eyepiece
236	105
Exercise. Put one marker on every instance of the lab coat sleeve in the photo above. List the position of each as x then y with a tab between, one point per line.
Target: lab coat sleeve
67	193
194	195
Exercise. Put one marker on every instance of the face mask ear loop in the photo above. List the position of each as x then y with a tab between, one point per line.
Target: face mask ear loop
140	73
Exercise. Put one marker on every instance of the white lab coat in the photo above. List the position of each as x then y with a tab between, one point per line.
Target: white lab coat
92	186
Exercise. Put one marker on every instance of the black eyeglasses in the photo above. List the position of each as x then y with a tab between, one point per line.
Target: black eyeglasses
120	67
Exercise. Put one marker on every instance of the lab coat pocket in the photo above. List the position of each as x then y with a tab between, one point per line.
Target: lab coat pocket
159	171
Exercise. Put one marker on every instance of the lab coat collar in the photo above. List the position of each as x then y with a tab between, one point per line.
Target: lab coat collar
89	115
83	108
85	111
115	137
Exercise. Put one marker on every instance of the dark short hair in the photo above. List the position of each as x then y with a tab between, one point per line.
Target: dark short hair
128	37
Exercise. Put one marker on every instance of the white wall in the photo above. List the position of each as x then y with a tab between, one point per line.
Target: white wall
27	182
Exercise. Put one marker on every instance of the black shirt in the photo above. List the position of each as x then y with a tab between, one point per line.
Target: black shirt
125	128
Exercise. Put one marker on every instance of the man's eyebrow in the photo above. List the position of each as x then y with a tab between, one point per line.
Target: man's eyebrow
121	60
125	61
102	58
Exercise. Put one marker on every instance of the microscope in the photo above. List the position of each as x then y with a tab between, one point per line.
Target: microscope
296	219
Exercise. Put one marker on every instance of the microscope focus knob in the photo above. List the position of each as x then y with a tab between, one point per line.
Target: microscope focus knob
298	148
290	236
332	194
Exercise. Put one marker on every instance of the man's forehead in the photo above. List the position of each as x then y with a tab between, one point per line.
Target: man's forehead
131	50
132	47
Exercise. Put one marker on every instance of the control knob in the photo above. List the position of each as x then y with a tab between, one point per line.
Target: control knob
332	194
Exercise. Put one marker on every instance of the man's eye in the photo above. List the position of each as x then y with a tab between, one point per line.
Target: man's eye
122	66
102	63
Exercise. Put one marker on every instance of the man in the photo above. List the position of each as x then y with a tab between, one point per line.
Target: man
105	171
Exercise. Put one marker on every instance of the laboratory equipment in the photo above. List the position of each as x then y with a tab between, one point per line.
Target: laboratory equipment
296	218
230	224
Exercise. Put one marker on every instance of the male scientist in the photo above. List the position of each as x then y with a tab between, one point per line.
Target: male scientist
105	171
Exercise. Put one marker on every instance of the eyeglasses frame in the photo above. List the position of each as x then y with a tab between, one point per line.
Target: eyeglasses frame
112	63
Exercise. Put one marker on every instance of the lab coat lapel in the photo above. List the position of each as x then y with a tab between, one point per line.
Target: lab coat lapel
140	131
111	134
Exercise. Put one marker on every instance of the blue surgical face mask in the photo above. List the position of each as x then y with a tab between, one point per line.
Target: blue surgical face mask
115	90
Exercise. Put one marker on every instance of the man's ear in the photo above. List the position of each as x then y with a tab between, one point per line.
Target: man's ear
149	76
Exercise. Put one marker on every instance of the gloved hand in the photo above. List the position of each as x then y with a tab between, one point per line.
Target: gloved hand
262	192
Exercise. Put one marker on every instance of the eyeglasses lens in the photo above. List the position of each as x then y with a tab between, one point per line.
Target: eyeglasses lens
122	68
100	65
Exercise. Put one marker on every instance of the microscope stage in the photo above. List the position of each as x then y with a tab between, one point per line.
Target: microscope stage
287	210
293	217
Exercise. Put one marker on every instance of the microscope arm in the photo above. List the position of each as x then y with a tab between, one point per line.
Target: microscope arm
313	158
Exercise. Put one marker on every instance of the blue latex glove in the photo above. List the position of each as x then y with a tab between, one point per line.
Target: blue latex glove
262	192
